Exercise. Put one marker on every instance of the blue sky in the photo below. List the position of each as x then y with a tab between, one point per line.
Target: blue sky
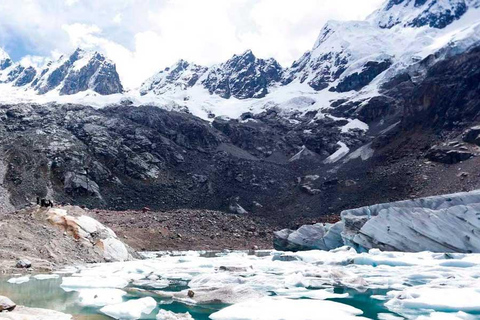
144	36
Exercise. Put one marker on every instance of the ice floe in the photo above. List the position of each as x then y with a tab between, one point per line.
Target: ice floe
406	285
132	309
279	308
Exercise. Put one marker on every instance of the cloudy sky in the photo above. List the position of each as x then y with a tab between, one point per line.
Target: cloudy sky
144	36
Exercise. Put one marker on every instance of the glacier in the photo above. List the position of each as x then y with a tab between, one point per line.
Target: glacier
445	223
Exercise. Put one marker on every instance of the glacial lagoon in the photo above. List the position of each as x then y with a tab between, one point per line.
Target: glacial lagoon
340	284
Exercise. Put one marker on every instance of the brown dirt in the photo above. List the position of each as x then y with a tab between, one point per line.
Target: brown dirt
187	229
25	234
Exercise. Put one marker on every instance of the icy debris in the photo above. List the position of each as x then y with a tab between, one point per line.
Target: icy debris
279	308
410	300
169	315
100	297
309	237
72	283
132	309
19	280
339	154
46	276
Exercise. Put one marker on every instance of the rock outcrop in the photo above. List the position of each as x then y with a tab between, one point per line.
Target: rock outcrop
89	231
6	304
24	313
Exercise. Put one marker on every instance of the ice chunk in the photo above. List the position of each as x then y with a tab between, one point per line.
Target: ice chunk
19	280
93	282
100	297
279	308
46	276
133	309
214	280
437	299
169	315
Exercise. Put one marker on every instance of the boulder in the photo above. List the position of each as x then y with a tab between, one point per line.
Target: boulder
6	304
448	156
472	135
24	313
23	264
90	232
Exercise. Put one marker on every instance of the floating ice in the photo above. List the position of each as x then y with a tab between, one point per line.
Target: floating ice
46	276
133	309
435	298
19	280
100	297
169	315
93	282
279	308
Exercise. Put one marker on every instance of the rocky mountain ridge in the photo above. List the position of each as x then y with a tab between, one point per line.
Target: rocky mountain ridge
81	71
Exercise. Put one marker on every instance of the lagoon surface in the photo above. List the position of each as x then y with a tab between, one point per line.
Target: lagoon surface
340	284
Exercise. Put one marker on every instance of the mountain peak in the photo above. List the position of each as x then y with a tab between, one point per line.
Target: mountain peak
418	13
5	60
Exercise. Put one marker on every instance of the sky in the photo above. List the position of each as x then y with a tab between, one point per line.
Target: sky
145	36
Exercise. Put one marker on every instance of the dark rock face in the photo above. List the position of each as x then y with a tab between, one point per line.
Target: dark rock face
81	71
4	64
358	80
25	77
438	19
243	77
447	85
472	135
435	14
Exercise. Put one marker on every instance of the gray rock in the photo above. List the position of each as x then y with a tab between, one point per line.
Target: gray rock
80	184
23	263
472	135
6	304
448	156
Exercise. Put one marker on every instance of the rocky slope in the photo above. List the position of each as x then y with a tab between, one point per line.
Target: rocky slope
284	167
357	120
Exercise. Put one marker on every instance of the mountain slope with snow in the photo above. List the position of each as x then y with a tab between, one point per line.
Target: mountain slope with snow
81	71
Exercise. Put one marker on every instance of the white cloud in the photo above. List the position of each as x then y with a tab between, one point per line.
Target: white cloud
144	36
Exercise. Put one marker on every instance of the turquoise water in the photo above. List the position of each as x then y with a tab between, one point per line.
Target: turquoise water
48	294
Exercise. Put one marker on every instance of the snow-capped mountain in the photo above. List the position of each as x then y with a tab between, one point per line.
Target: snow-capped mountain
243	76
350	61
419	13
81	71
180	76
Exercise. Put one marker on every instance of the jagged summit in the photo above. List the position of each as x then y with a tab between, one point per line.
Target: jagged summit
419	13
5	60
243	76
180	76
82	70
